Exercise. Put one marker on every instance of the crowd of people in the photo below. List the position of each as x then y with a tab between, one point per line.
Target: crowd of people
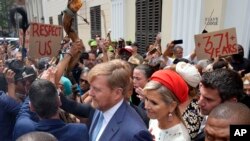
113	93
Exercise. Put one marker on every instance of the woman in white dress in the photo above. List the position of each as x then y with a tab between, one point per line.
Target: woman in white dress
163	93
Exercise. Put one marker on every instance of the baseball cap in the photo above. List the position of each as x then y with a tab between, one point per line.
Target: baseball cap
89	42
28	73
93	44
127	49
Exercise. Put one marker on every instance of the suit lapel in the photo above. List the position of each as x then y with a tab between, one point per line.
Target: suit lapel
114	124
93	122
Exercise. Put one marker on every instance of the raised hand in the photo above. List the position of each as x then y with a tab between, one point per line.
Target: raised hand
140	93
49	74
76	47
10	78
9	75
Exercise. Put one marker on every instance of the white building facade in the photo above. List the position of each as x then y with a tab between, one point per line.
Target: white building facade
180	19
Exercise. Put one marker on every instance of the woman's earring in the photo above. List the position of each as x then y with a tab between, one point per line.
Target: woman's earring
170	117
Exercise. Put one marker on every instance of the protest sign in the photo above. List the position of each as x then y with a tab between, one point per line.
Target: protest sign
44	40
215	44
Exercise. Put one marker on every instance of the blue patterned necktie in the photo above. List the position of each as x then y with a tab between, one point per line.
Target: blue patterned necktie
97	126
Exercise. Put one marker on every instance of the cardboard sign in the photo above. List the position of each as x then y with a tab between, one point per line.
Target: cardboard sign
215	44
44	40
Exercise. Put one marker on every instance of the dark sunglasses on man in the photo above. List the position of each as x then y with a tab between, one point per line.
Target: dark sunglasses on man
82	80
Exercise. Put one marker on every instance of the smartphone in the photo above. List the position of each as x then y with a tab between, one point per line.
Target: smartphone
177	42
152	51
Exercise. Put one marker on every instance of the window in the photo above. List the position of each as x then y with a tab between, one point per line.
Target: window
60	16
95	20
148	22
50	20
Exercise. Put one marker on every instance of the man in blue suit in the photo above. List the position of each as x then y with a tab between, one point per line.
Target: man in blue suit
8	110
45	102
109	84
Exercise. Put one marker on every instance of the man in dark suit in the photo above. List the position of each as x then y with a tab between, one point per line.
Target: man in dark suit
45	102
109	84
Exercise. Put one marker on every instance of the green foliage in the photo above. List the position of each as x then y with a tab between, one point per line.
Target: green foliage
5	6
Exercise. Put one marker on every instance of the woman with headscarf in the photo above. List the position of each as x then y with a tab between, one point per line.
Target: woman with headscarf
189	109
165	91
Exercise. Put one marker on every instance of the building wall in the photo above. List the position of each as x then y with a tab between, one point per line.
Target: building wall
239	18
35	10
52	8
84	29
214	15
166	22
181	19
130	20
186	22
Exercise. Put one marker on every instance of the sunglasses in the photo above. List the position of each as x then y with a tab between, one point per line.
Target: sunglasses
82	80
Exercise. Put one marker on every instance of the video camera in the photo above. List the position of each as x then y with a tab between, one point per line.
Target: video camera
15	65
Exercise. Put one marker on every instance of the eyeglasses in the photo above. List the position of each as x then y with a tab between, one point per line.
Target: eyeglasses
82	80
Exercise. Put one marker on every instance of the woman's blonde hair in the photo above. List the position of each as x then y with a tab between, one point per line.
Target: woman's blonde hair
167	96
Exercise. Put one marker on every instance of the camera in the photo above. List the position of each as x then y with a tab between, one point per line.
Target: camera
15	65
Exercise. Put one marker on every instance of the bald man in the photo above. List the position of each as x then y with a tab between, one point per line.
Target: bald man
224	115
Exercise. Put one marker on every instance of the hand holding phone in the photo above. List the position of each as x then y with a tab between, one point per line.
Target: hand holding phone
152	51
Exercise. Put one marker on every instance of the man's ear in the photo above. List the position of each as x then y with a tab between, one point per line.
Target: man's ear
118	93
234	99
32	108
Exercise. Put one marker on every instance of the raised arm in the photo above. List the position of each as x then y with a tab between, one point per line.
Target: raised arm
63	64
78	109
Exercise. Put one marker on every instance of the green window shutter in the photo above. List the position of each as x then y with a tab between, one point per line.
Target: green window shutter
148	22
95	19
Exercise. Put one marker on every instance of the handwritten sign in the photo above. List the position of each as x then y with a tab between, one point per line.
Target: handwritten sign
215	44
44	40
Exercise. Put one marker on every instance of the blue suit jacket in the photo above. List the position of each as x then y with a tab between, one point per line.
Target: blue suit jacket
125	125
9	109
63	131
28	122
